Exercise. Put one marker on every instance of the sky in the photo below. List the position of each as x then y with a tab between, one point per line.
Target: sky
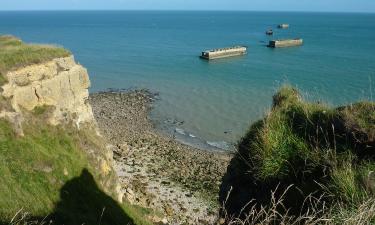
247	5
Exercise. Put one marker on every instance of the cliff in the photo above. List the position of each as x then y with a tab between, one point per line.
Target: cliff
54	163
60	83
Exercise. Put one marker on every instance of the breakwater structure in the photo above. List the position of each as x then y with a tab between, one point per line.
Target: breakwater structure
283	26
224	52
285	43
269	32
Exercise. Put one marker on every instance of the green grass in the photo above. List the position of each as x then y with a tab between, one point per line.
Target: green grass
360	117
49	173
46	173
320	150
2	80
277	145
40	110
14	54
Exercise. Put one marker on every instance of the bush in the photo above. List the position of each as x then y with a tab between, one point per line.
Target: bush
311	149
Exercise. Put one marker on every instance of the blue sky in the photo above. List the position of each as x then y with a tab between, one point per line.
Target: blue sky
252	5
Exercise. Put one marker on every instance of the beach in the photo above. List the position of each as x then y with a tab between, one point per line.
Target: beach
156	171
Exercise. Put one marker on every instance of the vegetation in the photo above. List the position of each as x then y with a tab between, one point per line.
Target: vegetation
310	149
48	175
14	54
53	175
40	110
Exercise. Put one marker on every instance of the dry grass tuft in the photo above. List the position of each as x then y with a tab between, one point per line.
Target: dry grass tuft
318	213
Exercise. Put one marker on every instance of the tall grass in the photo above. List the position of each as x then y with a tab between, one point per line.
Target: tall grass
312	150
318	213
14	54
49	174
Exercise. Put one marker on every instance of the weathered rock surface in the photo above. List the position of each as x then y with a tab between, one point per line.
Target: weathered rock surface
60	83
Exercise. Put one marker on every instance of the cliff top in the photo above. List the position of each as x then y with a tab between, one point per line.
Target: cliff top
14	54
322	151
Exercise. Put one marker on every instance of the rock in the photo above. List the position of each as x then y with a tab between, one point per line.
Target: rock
66	173
66	90
61	86
221	221
15	119
124	147
105	168
157	220
168	210
164	221
156	167
129	194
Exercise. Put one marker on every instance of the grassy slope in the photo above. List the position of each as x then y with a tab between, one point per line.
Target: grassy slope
320	150
14	53
47	172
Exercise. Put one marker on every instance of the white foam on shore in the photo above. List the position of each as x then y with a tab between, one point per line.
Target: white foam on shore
193	136
219	144
190	139
168	127
180	131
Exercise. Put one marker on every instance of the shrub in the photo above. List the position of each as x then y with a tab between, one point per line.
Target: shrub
310	149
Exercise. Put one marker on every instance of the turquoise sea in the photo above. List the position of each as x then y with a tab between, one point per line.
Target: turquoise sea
211	103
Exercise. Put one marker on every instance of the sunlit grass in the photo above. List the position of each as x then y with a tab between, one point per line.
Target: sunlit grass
14	54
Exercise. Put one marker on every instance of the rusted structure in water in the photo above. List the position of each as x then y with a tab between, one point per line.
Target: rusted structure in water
283	26
285	43
223	52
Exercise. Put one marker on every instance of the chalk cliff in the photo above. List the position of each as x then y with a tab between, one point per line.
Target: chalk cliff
60	83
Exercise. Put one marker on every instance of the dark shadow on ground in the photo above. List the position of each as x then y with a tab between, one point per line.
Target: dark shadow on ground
82	202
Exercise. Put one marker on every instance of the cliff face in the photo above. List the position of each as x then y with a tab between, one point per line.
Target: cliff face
59	83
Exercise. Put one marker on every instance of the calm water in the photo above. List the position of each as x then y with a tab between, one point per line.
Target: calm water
212	101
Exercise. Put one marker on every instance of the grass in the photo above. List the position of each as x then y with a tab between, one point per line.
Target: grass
15	54
319	150
40	110
48	175
277	145
53	173
360	117
362	213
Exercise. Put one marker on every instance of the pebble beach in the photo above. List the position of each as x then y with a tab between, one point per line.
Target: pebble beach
180	183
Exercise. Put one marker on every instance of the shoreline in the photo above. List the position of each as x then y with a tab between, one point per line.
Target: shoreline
170	129
186	138
156	171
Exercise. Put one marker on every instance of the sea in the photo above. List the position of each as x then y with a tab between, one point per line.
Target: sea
211	104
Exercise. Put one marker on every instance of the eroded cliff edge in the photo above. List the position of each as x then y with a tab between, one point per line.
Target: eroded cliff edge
59	83
62	86
54	163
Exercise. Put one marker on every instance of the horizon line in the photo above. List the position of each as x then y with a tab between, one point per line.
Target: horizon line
183	10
